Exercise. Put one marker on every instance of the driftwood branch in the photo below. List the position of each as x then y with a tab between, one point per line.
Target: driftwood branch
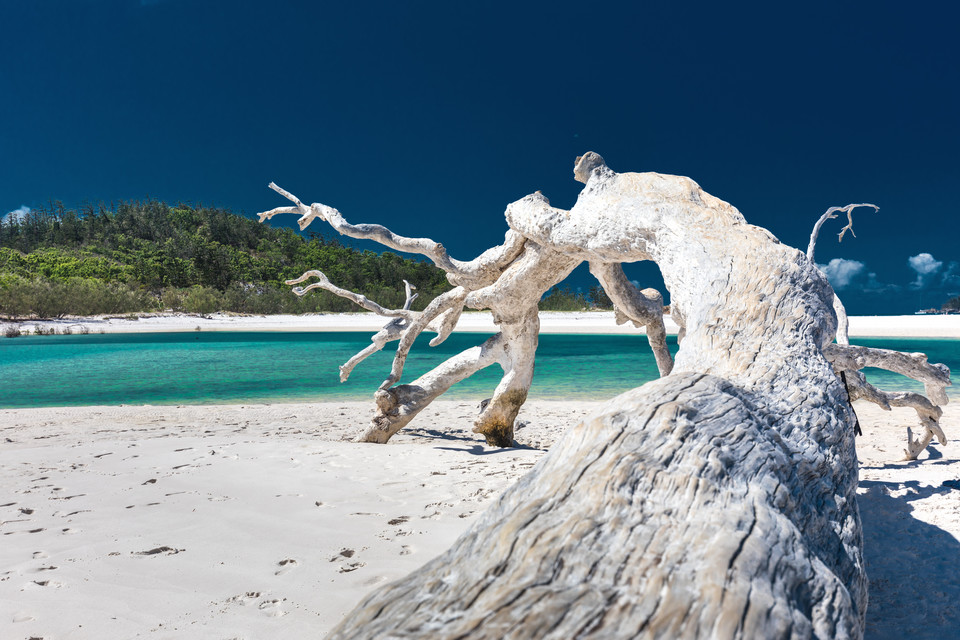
391	331
509	280
831	214
935	378
928	413
642	308
441	304
361	300
843	322
422	246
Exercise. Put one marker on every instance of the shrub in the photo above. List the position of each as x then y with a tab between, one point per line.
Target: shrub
23	298
563	300
202	300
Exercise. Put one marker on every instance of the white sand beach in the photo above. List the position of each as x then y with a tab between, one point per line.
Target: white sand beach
266	521
919	326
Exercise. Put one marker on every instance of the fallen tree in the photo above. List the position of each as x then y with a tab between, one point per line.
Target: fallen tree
718	501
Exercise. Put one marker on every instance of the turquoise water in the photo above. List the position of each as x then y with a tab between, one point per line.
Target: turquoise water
232	367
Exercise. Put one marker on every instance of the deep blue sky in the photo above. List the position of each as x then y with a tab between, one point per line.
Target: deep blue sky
430	117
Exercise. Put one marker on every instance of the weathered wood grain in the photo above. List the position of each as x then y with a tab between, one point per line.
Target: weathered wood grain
716	502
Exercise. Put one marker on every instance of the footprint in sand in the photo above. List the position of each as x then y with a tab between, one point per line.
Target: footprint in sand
285	565
344	553
41	584
350	566
50	568
272	608
353	566
170	551
244	598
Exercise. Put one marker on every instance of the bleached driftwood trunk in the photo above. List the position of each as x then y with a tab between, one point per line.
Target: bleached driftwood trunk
718	501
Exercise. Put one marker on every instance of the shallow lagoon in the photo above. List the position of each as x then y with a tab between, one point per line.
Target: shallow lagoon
233	367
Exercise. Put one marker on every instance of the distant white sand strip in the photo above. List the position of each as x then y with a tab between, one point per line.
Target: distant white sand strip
264	521
602	322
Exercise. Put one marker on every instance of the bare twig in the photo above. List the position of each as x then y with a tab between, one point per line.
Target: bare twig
324	283
422	246
830	214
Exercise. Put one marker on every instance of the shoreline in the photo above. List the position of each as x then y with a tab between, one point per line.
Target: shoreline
570	322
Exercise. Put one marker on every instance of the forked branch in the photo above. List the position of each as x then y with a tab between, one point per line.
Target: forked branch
843	323
324	283
445	302
393	330
935	378
422	246
831	214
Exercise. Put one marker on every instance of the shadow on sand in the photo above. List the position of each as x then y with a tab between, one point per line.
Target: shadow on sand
913	566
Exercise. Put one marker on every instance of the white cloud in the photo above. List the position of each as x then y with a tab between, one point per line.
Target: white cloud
841	272
17	214
926	266
924	263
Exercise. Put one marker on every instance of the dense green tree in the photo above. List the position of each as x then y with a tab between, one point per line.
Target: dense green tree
148	256
599	298
563	300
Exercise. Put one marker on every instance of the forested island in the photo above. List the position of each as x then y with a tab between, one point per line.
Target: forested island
148	256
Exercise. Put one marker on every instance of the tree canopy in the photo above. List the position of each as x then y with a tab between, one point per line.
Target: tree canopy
150	256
